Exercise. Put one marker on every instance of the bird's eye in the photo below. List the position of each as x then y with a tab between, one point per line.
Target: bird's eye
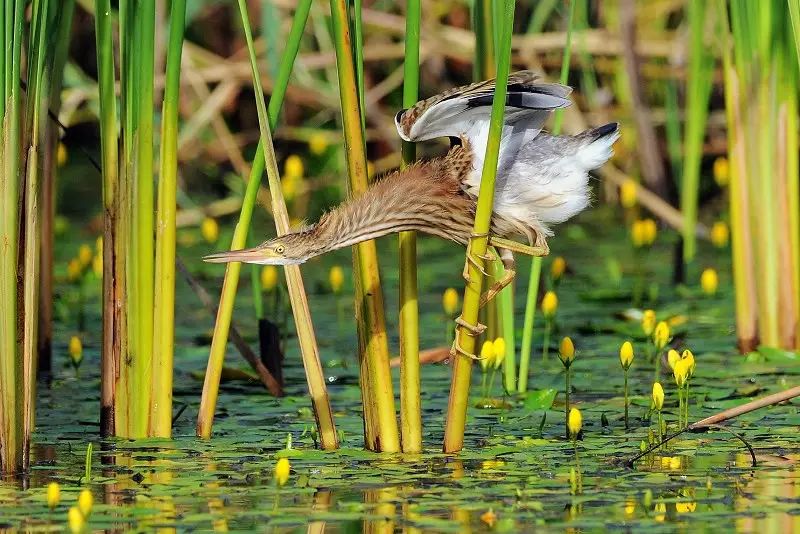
280	249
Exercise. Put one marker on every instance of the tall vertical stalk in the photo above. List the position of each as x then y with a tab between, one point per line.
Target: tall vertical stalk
373	343
308	347
536	262
698	89
410	411
164	313
462	365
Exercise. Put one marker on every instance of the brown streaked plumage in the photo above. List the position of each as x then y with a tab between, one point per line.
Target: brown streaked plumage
541	180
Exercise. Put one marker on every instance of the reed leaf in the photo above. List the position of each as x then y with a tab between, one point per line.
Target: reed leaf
410	409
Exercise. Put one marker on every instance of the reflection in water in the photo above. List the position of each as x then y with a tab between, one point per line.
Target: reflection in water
381	508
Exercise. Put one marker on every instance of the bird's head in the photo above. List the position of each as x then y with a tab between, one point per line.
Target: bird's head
289	249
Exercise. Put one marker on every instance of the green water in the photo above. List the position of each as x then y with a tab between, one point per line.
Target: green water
516	462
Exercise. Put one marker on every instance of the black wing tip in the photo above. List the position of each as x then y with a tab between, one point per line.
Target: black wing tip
604	131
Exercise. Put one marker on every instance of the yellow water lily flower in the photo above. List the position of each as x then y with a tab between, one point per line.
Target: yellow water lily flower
689	358
627	193
574	422
658	396
85	502
209	229
487	355
293	167
566	351
269	278
720	234
85	255
336	279
709	281
681	372
53	495
74	270
75	520
499	349
722	171
282	469
75	349
626	355
557	268
450	301
318	143
648	322
672	358
549	304
661	335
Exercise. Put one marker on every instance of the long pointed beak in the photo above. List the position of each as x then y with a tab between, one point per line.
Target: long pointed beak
246	255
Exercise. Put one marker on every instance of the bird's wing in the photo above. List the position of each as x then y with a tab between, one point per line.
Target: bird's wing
454	112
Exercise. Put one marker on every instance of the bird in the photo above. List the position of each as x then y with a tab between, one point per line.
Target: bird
542	179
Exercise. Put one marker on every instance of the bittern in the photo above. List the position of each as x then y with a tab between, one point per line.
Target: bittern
542	179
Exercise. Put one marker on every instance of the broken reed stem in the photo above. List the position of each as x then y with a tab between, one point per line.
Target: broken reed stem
373	342
410	395
265	156
164	312
462	363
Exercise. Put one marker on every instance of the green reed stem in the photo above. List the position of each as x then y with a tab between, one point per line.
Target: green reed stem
548	325
318	391
536	262
410	405
462	364
164	313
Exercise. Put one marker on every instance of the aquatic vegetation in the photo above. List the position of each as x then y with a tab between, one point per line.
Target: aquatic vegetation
549	308
282	471
566	353
658	405
76	520
625	360
53	495
709	281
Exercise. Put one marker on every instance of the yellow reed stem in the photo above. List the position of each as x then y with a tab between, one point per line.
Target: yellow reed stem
369	296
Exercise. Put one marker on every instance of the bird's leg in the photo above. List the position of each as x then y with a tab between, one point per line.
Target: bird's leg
471	330
510	267
471	258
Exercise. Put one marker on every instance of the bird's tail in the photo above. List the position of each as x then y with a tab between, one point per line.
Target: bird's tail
597	146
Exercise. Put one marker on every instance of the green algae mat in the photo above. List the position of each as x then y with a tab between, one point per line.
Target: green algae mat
518	473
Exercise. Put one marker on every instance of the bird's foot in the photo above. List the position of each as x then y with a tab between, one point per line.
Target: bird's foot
487	257
472	331
498	286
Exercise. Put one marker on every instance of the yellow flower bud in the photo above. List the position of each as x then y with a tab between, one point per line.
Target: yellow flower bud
649	231
661	335
499	348
450	301
626	355
721	171
85	255
648	322
557	268
688	357
672	358
637	233
85	502
709	281
75	520
209	229
566	351
61	154
53	495
627	193
720	234
75	350
282	469
318	143
97	265
74	269
269	278
489	518
293	167
549	304
336	279
574	422
681	372
658	396
487	355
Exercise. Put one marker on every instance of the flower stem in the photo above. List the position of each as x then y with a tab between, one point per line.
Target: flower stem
546	344
626	399
566	405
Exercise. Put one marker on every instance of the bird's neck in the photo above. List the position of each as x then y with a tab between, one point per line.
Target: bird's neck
425	197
